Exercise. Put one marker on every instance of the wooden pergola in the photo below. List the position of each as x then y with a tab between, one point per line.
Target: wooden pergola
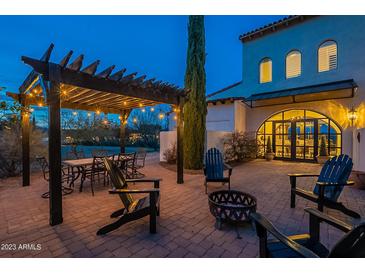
64	85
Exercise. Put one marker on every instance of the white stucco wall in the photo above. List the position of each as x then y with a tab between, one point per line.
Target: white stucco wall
167	139
306	37
214	139
220	117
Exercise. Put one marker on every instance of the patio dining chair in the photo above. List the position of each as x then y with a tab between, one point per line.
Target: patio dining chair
214	168
67	176
125	162
101	153
330	183
351	245
137	164
134	208
96	172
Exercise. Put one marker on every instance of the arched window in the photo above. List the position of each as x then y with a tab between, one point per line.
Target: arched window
297	133
327	56
293	64
265	70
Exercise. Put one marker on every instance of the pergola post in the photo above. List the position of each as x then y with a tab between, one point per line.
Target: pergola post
179	142
25	145
123	119
54	147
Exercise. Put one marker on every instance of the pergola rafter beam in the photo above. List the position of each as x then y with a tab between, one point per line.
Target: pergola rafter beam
77	63
84	80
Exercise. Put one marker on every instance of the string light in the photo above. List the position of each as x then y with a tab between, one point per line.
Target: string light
140	105
40	104
124	103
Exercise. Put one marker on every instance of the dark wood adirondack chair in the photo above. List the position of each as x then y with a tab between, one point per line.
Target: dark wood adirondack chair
351	245
214	169
134	209
330	183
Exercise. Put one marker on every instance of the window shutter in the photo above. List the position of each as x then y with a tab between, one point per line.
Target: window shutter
327	56
266	70
293	64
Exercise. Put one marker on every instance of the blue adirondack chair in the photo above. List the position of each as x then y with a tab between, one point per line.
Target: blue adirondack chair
330	183
214	169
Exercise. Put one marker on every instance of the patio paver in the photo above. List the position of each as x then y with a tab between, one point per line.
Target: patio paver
185	227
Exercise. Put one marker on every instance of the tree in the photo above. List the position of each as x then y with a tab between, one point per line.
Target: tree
147	126
322	148
195	109
10	140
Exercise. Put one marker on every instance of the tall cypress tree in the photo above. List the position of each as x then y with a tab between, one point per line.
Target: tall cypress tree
195	109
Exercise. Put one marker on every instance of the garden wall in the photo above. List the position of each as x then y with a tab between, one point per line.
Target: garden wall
214	139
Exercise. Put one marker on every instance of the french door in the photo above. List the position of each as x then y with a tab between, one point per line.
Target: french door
296	139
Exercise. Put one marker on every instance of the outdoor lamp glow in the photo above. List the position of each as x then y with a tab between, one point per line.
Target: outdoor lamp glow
152	109
134	120
74	113
143	110
352	115
161	116
40	104
98	112
88	114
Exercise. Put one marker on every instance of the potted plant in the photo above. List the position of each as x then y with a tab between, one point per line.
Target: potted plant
269	155
322	157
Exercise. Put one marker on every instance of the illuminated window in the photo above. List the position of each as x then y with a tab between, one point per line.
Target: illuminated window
266	70
327	56
296	134
293	64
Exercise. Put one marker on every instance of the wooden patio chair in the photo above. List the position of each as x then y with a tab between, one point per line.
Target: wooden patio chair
134	208
351	245
214	168
67	176
330	183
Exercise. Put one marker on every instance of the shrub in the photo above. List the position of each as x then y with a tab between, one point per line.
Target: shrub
322	148
239	147
268	145
170	154
11	150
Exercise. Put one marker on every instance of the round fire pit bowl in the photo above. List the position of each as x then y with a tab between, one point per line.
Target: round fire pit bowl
231	206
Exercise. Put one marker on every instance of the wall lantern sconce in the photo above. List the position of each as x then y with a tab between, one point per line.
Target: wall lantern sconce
352	115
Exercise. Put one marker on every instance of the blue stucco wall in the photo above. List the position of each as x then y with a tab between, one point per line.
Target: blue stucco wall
347	31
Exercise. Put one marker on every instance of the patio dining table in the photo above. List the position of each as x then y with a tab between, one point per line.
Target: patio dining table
79	166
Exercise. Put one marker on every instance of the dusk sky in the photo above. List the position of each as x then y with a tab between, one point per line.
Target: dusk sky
151	45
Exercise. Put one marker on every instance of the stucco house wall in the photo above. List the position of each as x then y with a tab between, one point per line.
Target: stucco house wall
305	37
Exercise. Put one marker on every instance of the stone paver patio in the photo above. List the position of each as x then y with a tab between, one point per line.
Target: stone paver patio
185	227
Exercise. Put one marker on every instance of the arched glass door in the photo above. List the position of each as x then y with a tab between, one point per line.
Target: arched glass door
295	135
